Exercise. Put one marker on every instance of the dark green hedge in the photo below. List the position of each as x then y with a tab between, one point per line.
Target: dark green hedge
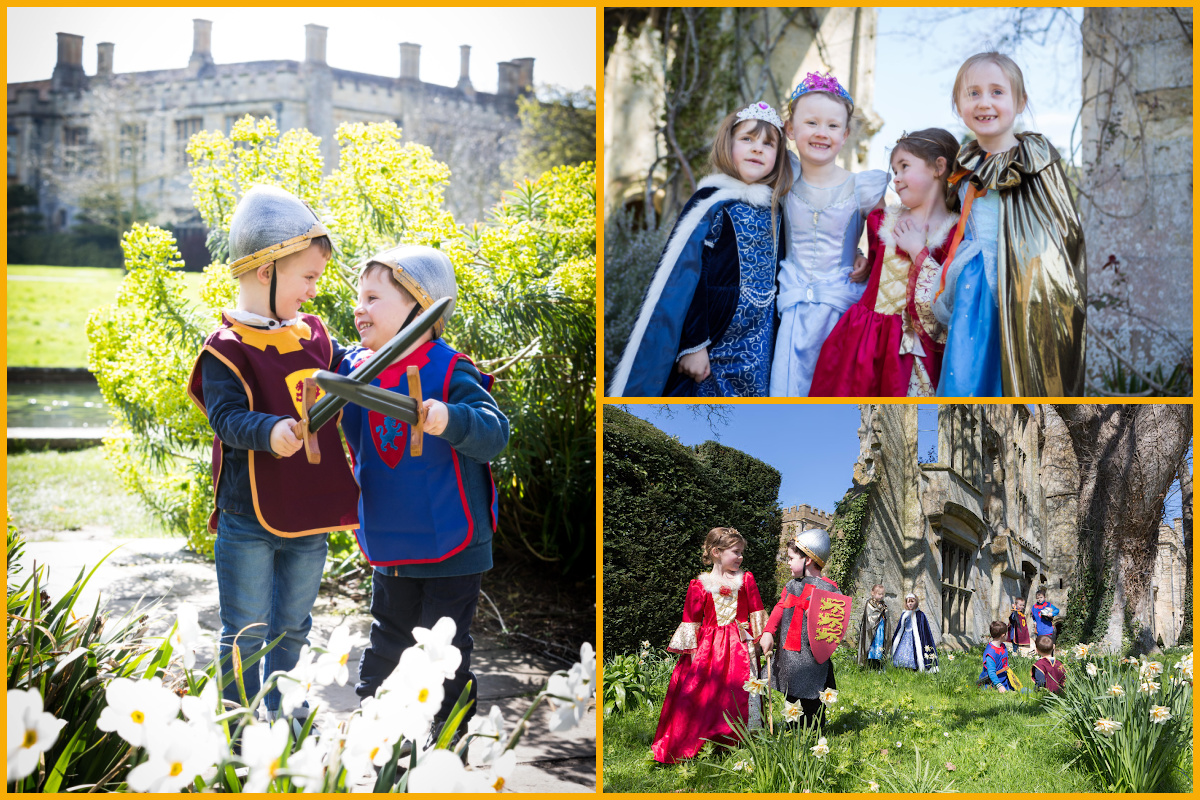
660	500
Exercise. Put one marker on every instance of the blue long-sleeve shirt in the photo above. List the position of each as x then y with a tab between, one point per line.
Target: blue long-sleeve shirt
993	663
239	429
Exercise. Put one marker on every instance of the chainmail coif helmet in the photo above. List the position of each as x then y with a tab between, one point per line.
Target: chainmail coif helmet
815	544
268	224
426	273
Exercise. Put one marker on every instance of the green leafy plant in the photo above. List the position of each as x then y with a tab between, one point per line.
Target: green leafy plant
922	778
627	683
779	761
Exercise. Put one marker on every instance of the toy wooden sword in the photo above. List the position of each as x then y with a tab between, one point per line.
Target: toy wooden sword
406	409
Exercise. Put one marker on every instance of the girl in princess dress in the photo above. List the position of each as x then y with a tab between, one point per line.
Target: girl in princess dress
1014	290
913	646
707	324
723	618
889	344
821	275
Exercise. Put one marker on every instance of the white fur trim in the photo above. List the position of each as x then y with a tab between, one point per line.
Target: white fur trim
728	188
712	583
933	238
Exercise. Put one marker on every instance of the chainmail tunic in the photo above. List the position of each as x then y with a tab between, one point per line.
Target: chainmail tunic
796	673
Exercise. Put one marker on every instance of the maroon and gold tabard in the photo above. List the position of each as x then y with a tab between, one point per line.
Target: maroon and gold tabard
291	496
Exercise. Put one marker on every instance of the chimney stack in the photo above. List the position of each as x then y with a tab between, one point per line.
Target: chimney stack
524	74
68	72
201	46
104	60
506	82
410	61
464	68
314	43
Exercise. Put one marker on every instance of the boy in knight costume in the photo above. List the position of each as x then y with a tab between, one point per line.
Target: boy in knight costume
800	674
274	509
875	632
1018	627
427	521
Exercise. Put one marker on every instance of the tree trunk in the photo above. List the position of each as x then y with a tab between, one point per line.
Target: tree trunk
1128	456
1185	498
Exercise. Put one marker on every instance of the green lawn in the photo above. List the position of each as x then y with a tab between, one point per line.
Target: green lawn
48	309
63	491
978	739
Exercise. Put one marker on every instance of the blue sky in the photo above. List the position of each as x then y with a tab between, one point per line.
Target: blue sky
562	40
813	446
918	52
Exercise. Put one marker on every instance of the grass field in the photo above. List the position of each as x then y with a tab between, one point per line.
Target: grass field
970	739
48	309
64	491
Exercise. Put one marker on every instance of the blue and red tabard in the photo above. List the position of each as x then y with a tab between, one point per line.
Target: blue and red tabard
291	496
413	510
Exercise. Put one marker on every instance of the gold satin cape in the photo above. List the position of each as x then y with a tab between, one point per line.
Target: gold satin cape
1041	266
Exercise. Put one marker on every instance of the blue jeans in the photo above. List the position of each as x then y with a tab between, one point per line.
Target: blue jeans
270	582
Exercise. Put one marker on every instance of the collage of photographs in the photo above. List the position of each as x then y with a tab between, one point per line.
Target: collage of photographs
600	399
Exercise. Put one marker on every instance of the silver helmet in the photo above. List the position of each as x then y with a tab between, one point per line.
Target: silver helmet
814	543
269	223
426	273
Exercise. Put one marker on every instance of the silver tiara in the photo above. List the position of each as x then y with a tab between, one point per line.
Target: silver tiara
763	111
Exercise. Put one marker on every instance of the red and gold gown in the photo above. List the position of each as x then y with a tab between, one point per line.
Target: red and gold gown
721	618
889	344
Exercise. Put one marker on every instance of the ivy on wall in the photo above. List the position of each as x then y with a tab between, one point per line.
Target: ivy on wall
848	535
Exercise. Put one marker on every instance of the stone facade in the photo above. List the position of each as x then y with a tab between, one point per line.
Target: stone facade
1136	207
841	39
130	130
992	519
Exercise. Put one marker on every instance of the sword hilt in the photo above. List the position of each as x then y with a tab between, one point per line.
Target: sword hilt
312	449
417	439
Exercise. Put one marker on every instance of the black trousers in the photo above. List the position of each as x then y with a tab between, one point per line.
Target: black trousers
401	604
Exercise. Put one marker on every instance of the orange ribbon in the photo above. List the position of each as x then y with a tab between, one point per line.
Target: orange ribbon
972	193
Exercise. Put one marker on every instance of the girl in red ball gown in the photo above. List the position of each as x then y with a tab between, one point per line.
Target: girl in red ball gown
890	344
723	618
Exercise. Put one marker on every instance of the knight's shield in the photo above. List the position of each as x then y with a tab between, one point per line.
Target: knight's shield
390	435
828	620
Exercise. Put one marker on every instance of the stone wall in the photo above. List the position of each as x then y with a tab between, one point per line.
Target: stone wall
1137	178
1170	576
75	133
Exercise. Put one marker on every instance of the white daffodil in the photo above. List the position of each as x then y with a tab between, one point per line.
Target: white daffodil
175	758
416	683
442	771
1184	665
501	771
400	716
570	695
332	666
828	696
1151	669
1081	651
792	712
821	748
645	644
31	732
1116	690
308	764
1159	714
135	705
587	660
1107	726
1148	687
1092	669
487	737
872	786
438	643
296	684
755	686
262	752
186	634
369	744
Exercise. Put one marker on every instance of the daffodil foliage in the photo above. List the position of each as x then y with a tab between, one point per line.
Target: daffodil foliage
525	311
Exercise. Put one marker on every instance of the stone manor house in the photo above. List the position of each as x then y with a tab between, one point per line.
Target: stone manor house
989	518
127	132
